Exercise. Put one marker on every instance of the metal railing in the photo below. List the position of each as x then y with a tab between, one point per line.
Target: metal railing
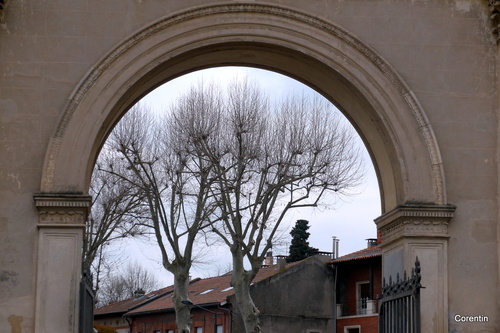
362	306
399	304
86	320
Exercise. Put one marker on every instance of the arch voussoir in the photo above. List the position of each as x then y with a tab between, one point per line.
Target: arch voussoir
213	26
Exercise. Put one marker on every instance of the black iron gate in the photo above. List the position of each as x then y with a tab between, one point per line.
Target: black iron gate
86	322
399	304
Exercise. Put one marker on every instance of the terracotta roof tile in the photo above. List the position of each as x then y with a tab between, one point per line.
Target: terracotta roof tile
369	252
131	303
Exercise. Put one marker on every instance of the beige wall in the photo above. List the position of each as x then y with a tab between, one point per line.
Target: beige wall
418	78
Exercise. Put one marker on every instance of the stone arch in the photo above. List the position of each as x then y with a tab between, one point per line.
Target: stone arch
322	55
326	57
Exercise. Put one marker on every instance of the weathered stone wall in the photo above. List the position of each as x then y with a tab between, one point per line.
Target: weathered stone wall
443	50
297	300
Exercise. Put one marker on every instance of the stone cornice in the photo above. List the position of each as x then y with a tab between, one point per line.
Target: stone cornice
415	220
62	210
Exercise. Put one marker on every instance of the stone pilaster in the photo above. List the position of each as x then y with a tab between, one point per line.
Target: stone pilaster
420	230
61	225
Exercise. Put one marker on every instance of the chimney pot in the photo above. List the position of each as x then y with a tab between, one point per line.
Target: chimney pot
268	262
139	293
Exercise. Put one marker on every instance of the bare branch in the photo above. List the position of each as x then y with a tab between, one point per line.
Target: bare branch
265	163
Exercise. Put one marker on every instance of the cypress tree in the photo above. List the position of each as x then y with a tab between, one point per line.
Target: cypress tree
300	249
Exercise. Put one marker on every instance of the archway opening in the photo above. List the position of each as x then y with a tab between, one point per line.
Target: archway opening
349	219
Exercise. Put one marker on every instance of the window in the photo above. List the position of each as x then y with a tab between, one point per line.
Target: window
219	329
199	330
207	291
170	331
352	329
362	295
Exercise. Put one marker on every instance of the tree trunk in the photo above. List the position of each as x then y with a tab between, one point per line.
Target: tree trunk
241	280
247	308
182	311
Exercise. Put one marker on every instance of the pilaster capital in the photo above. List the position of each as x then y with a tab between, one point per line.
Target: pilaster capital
415	220
62	210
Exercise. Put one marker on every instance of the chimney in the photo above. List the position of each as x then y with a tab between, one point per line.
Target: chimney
139	293
371	242
281	262
268	262
335	249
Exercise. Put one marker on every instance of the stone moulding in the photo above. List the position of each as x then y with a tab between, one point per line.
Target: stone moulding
415	220
95	73
62	210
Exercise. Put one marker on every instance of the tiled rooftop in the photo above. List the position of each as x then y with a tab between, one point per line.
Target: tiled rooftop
131	303
206	291
369	252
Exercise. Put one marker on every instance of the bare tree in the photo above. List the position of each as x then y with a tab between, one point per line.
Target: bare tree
134	281
117	213
153	157
232	165
265	163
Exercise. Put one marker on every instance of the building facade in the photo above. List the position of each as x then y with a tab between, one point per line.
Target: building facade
112	315
210	310
358	283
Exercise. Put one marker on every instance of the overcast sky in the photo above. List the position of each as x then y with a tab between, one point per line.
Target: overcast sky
351	221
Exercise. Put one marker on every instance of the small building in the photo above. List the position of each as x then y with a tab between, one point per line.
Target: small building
297	299
112	315
210	309
358	282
